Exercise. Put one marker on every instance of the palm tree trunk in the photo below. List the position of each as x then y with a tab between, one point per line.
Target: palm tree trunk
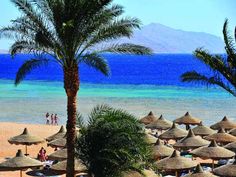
71	85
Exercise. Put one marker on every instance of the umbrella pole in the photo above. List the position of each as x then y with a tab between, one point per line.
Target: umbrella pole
176	173
26	150
213	165
21	173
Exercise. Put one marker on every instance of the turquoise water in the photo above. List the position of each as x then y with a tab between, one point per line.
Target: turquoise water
32	99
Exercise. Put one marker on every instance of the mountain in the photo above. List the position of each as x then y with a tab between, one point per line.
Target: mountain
163	39
3	51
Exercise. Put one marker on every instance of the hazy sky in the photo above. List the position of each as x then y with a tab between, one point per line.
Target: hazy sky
191	15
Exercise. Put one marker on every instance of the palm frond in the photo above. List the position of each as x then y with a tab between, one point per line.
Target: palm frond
127	48
97	62
229	45
27	67
195	77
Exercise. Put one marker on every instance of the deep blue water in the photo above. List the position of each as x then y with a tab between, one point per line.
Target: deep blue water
162	69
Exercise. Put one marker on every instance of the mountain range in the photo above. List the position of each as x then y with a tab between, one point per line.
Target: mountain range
163	39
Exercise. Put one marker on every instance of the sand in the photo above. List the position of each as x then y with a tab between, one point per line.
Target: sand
8	130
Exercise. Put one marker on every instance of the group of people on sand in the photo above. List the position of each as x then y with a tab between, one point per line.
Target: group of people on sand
54	119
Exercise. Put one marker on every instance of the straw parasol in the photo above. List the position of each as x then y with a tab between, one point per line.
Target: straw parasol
61	166
226	170
202	130
174	133
19	162
225	123
151	139
233	132
187	120
148	119
148	173
58	143
58	155
161	151
160	124
60	134
221	136
198	172
213	151
231	146
25	139
175	163
191	141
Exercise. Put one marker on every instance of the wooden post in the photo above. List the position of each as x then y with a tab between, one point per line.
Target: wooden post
21	173
213	165
26	153
176	173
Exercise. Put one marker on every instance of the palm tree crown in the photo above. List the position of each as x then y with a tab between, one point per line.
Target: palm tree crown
223	67
112	142
69	32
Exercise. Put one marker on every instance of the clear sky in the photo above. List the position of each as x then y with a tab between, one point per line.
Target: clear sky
190	15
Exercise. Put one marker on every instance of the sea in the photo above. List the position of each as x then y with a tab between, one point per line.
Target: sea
138	84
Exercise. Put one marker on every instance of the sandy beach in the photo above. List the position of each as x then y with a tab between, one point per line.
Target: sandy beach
8	130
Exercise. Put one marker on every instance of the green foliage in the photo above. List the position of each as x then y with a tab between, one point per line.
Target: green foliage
223	67
71	32
112	142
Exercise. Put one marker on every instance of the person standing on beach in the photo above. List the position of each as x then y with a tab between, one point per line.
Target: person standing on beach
52	119
47	118
55	120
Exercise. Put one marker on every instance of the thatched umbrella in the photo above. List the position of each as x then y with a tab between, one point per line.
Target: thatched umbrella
58	143
226	170
225	123
233	132
191	141
58	155
61	166
151	139
231	146
187	120
25	139
202	130
147	173
19	162
175	163
213	151
148	119
198	172
60	134
161	151
174	133
221	136
160	124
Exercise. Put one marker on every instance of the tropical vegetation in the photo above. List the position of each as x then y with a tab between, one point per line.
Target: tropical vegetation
112	142
68	33
223	67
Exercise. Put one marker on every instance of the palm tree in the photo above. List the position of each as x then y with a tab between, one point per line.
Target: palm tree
223	67
68	33
112	142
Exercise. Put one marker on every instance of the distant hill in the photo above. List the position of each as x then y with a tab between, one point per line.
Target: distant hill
163	39
3	51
